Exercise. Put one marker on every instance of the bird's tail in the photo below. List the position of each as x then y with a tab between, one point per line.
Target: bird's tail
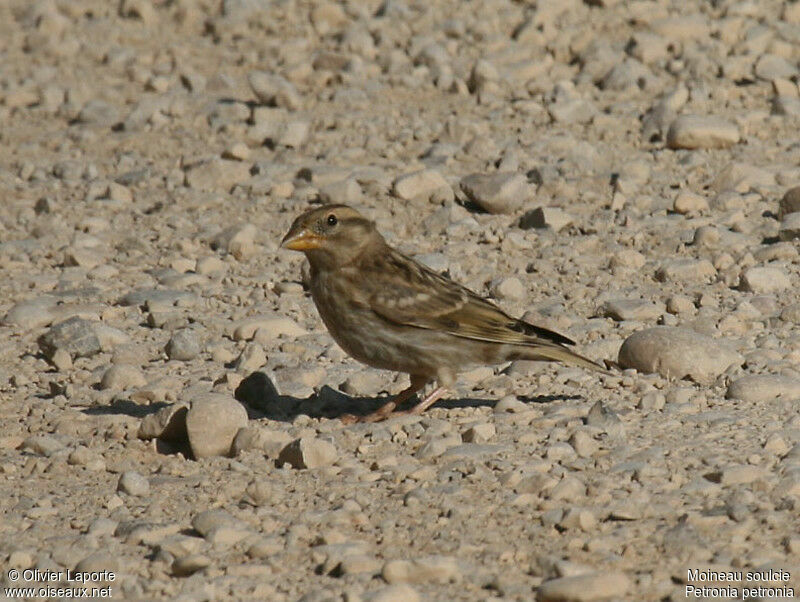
557	353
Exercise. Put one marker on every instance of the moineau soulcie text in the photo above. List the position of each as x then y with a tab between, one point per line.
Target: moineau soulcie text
68	575
774	575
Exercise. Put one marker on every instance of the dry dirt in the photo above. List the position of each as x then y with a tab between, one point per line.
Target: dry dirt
607	168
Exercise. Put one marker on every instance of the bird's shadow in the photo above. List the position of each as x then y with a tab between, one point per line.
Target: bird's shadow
121	406
261	399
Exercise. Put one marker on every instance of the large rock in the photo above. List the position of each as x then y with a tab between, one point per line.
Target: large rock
258	391
497	192
579	588
436	569
790	227
308	452
271	327
212	423
169	424
677	353
75	336
790	203
686	270
183	345
764	387
546	217
764	280
274	90
701	131
259	438
122	376
420	184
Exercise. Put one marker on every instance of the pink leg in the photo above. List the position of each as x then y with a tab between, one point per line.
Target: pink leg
431	399
383	412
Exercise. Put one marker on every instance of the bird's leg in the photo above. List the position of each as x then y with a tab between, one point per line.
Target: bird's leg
429	400
383	412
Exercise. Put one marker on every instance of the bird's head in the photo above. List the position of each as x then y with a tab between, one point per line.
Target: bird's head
330	236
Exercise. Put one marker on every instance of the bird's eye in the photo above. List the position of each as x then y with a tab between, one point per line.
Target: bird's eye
332	221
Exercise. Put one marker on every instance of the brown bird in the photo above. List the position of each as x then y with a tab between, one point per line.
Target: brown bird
389	312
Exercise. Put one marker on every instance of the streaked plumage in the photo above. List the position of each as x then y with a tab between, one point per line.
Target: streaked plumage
388	311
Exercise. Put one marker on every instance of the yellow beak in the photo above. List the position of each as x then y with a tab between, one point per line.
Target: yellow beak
303	240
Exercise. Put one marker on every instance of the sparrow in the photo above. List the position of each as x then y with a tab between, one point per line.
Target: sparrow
388	311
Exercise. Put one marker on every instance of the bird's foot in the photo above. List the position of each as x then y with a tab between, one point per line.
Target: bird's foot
382	413
388	409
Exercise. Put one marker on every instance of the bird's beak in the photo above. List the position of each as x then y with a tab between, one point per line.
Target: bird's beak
304	240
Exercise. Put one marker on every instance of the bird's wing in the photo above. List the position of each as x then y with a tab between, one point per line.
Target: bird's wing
402	291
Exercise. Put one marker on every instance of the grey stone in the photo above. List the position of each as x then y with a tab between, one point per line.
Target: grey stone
632	309
258	438
269	326
497	192
122	376
764	280
686	270
479	433
790	227
32	313
98	112
677	353
420	184
473	450
770	66
308	452
791	313
212	423
169	424
274	90
394	593
183	345
133	483
509	288
160	297
258	391
251	358
188	565
584	588
235	239
740	474
436	569
216	174
76	336
44	445
764	387
790	202
786	105
572	110
546	217
702	131
208	521
599	416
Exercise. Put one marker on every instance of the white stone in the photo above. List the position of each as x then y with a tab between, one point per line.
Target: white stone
435	569
764	280
420	184
764	387
790	226
212	422
497	192
677	353
309	452
702	131
585	588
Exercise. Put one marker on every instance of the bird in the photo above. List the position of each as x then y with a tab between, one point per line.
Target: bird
390	312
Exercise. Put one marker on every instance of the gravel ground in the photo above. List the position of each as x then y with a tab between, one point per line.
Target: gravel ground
622	171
